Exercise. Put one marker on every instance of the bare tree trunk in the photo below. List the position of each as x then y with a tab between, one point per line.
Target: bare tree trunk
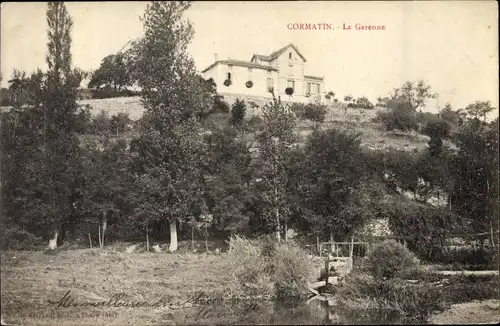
278	234
332	246
286	230
206	239
173	235
492	236
90	240
192	237
317	246
104	225
100	239
53	241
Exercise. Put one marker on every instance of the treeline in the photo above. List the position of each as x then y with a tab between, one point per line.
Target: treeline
179	172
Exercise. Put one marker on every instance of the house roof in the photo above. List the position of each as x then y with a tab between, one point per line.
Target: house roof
279	52
313	77
240	64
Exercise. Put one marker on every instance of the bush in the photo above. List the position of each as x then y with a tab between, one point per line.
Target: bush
220	106
238	112
254	123
315	112
250	269
390	259
437	129
16	239
291	272
400	118
392	300
299	110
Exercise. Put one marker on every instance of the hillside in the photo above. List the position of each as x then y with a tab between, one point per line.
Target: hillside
373	135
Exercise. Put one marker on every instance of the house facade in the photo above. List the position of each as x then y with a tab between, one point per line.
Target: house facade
281	69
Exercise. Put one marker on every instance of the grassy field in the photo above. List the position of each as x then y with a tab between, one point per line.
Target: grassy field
29	279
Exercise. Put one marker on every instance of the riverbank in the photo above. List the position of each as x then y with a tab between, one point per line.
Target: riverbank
476	312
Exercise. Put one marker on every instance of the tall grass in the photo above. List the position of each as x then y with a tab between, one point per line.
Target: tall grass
264	268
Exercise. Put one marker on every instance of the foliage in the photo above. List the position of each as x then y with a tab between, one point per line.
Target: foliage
169	148
220	105
332	172
424	227
390	259
360	103
475	189
289	91
249	84
413	95
478	109
315	112
449	115
249	267
238	112
15	239
388	300
291	272
114	73
401	118
274	141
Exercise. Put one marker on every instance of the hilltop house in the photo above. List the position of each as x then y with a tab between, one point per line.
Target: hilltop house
281	69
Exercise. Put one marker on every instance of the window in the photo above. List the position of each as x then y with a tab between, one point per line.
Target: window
229	75
308	90
270	83
291	83
290	55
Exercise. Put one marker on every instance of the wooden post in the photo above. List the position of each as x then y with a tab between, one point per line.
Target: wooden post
327	269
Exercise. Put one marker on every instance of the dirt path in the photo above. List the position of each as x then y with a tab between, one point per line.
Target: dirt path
476	312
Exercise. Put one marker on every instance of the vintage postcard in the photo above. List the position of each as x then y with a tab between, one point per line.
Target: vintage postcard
249	162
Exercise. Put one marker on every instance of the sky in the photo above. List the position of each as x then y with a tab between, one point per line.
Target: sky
451	45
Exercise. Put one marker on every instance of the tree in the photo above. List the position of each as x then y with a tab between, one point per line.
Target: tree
332	174
61	145
449	115
475	191
114	73
315	112
274	141
478	109
170	146
238	112
413	95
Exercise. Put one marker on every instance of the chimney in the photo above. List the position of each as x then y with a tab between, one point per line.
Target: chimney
216	57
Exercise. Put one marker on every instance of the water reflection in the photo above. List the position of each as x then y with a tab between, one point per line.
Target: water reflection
315	312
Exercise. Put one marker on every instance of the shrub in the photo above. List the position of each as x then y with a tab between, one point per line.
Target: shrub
388	300
390	259
315	112
299	110
16	239
291	272
238	112
400	118
220	106
437	129
289	91
250	269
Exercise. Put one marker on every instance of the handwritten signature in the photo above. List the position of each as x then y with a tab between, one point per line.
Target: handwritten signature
210	305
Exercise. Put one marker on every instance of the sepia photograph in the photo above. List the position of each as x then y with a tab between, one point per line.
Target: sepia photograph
249	163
